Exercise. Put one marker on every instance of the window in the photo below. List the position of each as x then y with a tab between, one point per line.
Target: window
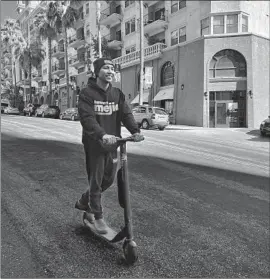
182	35
218	24
87	9
244	23
130	26
45	71
142	109
130	49
227	63
177	5
167	74
178	36
174	38
205	26
129	3
232	24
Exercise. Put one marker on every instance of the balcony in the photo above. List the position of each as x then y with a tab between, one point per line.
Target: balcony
8	77
111	16
77	60
7	65
155	22
37	76
58	69
6	54
76	40
58	51
114	40
150	3
150	53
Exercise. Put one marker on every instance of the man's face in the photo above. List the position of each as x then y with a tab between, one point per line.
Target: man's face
106	73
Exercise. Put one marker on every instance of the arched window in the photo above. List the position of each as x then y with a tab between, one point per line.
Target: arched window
227	63
167	74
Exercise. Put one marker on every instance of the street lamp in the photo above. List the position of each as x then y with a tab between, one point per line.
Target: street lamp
141	53
98	27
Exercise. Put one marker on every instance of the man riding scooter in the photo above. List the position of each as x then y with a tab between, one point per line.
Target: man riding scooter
102	108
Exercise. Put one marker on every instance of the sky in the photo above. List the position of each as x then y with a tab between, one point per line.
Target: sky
8	9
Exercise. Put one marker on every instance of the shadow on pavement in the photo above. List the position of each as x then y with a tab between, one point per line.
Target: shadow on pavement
257	136
63	162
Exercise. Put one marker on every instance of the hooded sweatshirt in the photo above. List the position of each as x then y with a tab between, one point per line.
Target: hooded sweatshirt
101	112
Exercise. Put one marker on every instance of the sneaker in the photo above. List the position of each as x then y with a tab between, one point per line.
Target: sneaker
90	217
79	205
101	226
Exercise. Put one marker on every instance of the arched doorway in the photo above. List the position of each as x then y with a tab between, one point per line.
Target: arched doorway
227	89
167	76
42	100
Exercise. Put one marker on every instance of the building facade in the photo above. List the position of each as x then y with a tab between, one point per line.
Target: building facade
209	59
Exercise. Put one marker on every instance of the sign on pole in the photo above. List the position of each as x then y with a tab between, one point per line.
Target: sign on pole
148	77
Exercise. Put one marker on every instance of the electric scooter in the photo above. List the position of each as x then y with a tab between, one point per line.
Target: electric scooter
126	234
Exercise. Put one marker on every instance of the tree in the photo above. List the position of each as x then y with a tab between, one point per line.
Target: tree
106	52
68	16
46	21
12	37
62	17
31	56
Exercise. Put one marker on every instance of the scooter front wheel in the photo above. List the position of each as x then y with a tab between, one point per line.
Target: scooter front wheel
130	251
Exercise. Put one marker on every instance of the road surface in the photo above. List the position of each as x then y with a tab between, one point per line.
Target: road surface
200	201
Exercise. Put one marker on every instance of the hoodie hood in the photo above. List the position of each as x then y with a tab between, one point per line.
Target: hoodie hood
92	83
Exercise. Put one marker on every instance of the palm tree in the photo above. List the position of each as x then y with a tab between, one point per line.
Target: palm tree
62	17
68	16
12	37
31	56
45	22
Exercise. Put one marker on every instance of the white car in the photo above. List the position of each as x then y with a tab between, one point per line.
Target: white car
11	110
147	116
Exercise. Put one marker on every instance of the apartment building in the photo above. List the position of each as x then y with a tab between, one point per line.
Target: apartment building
209	59
78	55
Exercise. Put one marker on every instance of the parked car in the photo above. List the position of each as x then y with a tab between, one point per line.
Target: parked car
30	109
265	127
147	116
11	110
48	111
4	104
70	114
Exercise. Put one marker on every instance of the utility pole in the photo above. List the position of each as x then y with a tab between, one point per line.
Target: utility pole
141	53
98	27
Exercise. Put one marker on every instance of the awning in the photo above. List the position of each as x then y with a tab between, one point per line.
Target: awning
136	100
164	94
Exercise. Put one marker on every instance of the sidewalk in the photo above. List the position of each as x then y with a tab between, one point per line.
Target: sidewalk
186	127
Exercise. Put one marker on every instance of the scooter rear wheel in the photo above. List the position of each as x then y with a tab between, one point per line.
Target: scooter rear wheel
130	251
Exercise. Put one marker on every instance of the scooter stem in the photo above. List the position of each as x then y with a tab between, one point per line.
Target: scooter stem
127	208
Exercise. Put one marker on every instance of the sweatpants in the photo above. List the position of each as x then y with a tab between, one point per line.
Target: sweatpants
101	171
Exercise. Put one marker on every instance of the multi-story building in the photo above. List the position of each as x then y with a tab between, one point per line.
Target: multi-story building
77	57
209	59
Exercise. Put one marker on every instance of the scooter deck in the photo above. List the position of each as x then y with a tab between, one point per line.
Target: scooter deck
110	235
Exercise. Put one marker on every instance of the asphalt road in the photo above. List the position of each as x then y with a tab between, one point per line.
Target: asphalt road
200	201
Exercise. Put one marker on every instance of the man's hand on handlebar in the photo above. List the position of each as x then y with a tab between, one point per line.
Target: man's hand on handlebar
109	139
138	137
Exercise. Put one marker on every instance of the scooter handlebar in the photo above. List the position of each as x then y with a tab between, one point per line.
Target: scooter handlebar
123	140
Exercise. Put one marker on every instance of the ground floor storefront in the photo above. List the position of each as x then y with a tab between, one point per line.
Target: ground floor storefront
215	81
